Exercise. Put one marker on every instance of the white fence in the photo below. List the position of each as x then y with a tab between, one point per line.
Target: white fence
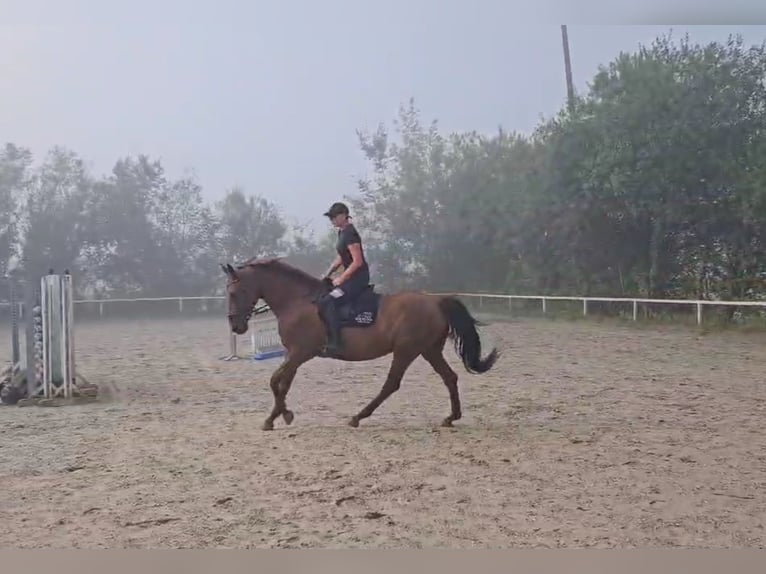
180	300
102	302
698	304
634	302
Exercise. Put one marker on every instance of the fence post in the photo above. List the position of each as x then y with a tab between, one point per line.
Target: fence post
699	313
585	307
14	308
100	309
543	300
180	305
635	310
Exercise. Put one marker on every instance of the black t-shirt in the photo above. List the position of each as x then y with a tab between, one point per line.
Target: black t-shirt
348	236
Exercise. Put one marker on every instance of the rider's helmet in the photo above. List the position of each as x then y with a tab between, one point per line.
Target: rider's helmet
337	208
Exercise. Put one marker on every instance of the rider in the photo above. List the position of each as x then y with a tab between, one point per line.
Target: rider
356	274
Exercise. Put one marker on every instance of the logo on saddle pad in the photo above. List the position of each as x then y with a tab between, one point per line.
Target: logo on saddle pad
361	311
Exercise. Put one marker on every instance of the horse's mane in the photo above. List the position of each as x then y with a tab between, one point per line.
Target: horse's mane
285	269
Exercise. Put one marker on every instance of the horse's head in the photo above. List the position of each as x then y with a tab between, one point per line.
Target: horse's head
242	294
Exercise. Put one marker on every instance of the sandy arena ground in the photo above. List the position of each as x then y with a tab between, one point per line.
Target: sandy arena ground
584	435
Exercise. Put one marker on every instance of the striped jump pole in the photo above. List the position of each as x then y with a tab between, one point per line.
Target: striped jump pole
264	337
47	369
232	356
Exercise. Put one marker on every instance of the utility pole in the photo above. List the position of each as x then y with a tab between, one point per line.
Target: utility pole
567	68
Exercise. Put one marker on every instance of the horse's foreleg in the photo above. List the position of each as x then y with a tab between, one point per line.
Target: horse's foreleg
285	381
280	384
279	399
401	362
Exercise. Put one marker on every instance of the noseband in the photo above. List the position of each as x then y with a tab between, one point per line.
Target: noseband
254	310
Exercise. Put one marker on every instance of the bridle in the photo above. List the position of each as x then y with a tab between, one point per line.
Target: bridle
254	308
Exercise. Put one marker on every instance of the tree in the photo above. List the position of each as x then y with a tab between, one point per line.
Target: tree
305	251
15	165
123	252
248	226
53	214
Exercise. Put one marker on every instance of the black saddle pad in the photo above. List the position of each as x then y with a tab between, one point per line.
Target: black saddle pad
361	311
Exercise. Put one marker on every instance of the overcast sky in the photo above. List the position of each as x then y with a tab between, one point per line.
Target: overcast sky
268	95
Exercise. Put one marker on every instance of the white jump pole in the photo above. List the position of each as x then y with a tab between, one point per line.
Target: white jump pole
57	313
232	356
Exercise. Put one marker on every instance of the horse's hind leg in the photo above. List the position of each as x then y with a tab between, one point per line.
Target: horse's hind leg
401	362
435	358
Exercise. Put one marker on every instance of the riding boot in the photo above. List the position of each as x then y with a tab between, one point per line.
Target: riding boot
333	327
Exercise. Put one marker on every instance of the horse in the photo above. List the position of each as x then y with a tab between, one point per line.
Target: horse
407	324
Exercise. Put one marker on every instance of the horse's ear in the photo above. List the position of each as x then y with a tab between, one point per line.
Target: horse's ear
229	270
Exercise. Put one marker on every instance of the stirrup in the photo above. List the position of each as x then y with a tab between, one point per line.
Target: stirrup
329	348
329	352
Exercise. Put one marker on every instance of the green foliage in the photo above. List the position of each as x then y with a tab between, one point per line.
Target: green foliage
133	233
652	186
249	227
15	166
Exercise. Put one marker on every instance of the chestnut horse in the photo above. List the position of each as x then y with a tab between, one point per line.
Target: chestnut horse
407	324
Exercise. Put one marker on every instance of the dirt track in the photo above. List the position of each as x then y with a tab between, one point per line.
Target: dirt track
584	435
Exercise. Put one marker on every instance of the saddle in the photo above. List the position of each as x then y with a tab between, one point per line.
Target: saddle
361	311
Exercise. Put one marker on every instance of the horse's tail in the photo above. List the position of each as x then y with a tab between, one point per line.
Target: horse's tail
462	330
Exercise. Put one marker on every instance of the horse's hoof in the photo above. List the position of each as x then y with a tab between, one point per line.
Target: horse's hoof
288	417
353	422
268	425
447	422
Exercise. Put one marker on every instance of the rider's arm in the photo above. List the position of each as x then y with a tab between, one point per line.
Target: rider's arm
356	261
334	266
